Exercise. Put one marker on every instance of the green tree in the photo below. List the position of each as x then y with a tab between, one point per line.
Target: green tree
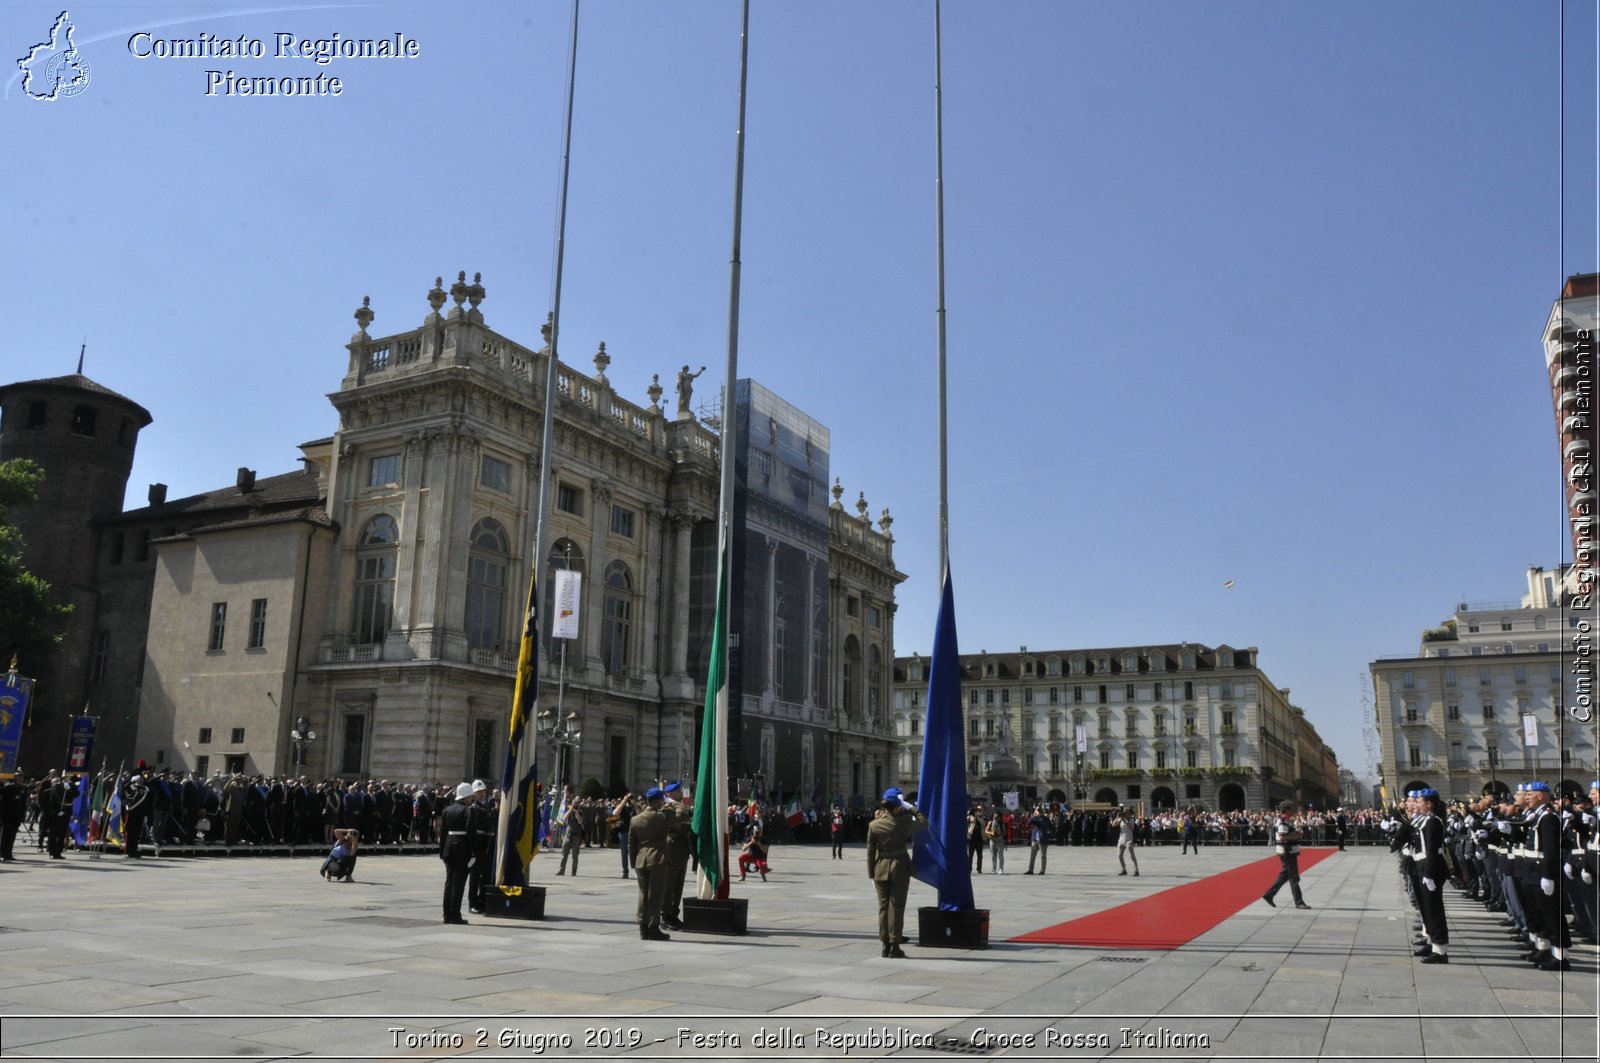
30	623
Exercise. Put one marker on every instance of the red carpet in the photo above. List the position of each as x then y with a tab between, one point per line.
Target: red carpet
1178	915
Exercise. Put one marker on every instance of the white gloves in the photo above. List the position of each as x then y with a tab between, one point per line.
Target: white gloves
1432	885
1566	869
1548	885
907	805
1588	879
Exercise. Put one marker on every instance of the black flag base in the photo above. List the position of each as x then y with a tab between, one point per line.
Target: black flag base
729	917
510	902
939	929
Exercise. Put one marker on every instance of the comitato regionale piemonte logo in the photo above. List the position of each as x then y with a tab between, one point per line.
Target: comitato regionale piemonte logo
55	69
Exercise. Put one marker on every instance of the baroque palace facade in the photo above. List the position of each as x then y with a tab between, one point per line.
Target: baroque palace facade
375	596
1163	726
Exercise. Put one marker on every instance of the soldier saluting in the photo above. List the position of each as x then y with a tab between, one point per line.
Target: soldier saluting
647	851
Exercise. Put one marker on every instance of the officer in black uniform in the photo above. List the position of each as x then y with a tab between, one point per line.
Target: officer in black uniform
1431	872
455	849
1549	924
485	822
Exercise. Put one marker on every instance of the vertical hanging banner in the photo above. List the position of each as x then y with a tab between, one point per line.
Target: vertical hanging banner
568	586
1081	734
80	746
1530	730
15	691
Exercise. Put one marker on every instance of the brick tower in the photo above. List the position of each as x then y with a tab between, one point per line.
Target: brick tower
83	435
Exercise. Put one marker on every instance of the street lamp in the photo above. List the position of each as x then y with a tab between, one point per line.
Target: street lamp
560	734
302	735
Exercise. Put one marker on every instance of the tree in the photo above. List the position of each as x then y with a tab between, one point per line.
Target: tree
30	623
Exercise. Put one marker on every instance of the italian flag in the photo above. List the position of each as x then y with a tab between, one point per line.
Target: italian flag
711	782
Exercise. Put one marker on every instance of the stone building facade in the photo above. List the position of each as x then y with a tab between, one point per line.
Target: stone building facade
377	593
1164	726
1490	699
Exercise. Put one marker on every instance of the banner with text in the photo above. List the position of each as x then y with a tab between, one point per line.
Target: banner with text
15	690
568	586
80	747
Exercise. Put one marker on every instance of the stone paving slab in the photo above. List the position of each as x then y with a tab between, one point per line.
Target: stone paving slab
260	958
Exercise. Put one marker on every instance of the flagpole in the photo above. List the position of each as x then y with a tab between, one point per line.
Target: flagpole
717	819
938	187
519	811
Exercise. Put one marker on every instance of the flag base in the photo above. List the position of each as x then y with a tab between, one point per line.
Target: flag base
529	904
939	929
729	917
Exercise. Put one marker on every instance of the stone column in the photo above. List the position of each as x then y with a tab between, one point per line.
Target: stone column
678	682
594	605
769	686
811	633
651	588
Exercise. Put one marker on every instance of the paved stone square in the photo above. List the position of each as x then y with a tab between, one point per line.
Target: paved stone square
210	958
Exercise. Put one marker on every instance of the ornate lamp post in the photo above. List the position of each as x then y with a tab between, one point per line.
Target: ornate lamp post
561	734
302	736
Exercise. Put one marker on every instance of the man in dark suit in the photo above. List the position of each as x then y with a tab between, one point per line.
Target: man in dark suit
647	850
455	849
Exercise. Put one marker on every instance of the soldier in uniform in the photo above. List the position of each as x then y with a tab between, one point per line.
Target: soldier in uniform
680	843
455	849
647	851
623	813
13	809
1287	839
889	865
1431	874
135	810
485	823
1549	924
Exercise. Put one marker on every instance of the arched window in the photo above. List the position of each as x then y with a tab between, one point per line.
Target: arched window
486	585
565	554
852	670
374	584
619	618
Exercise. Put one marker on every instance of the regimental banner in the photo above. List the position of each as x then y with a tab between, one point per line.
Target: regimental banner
80	746
568	587
15	692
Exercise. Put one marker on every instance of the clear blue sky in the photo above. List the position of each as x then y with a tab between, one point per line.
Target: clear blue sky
1243	291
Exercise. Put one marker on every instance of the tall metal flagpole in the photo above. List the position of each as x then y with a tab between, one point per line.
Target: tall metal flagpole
529	727
938	185
719	795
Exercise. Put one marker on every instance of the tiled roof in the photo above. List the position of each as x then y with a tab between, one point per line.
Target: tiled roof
74	382
276	492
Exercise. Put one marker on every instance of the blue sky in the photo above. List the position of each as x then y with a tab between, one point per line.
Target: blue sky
1241	291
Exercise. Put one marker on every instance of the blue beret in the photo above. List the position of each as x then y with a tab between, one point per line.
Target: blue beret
1427	791
1595	785
1542	787
1522	787
654	791
892	794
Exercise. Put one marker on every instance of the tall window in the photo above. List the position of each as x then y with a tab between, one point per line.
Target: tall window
375	554
483	747
619	618
852	673
352	754
102	650
486	584
1105	758
258	623
219	625
622	521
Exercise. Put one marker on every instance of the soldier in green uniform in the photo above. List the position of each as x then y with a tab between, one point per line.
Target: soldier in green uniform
647	850
889	865
680	841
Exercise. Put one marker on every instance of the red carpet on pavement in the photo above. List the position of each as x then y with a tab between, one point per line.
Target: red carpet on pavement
1178	915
